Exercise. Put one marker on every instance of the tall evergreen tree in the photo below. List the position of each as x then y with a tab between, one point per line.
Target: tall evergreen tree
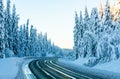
87	26
81	25
27	39
7	25
1	29
39	45
14	32
76	27
33	40
80	34
95	22
108	27
21	42
45	45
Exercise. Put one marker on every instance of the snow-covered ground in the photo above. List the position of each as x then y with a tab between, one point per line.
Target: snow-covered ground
9	67
113	66
78	62
107	70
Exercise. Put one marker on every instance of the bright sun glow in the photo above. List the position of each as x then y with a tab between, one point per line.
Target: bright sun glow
114	9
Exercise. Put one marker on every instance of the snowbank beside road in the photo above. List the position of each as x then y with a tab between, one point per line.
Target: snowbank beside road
79	62
112	66
108	70
9	67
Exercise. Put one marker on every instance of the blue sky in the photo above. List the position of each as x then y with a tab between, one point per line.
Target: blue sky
56	17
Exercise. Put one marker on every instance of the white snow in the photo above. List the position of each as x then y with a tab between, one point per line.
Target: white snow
50	55
108	70
8	52
9	67
78	62
113	66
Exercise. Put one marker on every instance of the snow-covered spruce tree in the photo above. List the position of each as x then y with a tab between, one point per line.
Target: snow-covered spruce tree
108	47
88	41
39	45
104	49
33	41
1	29
14	32
95	22
114	44
107	23
21	42
80	26
80	36
49	46
76	30
45	45
8	28
50	49
26	38
97	29
87	26
87	36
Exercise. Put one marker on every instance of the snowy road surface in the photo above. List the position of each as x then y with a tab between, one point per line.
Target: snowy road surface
50	68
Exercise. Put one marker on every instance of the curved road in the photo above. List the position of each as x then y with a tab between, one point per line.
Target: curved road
47	68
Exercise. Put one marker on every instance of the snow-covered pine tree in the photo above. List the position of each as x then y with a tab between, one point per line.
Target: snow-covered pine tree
1	29
45	45
32	39
76	27
87	26
23	38
39	45
26	48
7	25
21	42
14	21
96	22
81	25
80	35
49	46
96	30
104	49
87	41
108	27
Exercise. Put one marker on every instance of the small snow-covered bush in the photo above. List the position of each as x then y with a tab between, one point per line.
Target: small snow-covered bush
8	53
92	61
2	56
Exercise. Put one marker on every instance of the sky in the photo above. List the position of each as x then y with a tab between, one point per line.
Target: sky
56	17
